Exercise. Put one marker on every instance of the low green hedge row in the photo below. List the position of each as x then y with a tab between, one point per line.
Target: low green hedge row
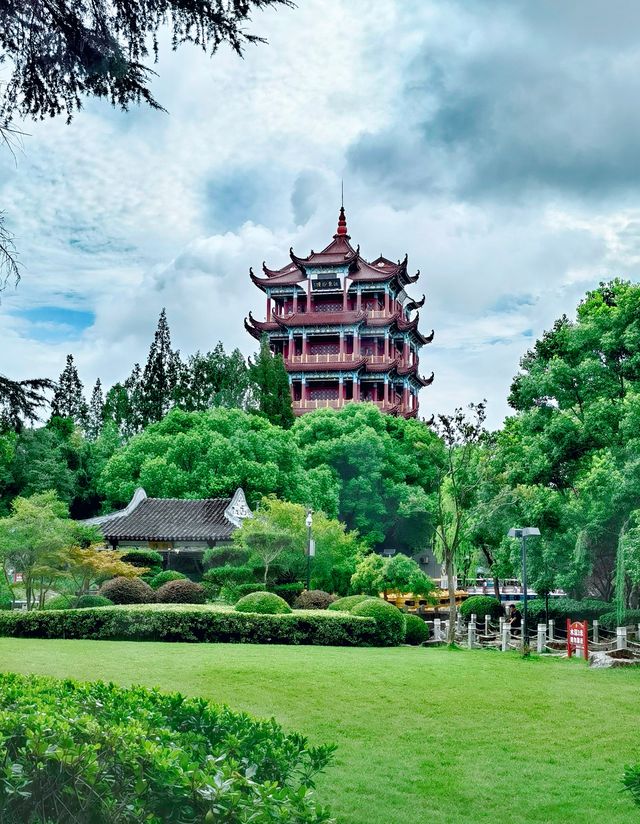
481	605
562	608
139	624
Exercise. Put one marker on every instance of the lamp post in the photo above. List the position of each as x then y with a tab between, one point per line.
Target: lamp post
311	548
523	534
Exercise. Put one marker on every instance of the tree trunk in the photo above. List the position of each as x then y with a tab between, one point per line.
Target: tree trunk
266	572
451	635
496	586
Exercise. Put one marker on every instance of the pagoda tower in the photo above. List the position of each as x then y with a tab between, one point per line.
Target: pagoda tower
345	328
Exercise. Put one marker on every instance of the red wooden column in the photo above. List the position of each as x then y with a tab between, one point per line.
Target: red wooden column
268	309
295	300
356	344
405	352
356	388
303	389
386	391
375	391
359	300
304	343
309	307
341	344
386	302
344	296
340	389
405	399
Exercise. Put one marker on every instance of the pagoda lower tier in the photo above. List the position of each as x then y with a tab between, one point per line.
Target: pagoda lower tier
344	328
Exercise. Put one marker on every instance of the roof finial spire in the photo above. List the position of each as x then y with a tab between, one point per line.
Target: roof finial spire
342	220
342	193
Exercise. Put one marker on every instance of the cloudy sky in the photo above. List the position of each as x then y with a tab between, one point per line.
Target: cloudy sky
495	141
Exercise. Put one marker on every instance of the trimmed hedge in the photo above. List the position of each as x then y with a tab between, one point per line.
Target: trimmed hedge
219	576
391	622
143	558
481	605
127	591
101	753
195	625
417	631
562	608
265	603
314	599
164	577
231	593
609	620
90	601
181	592
350	601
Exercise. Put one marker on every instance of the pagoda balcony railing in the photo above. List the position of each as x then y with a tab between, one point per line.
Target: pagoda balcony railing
337	403
332	403
379	358
377	313
326	357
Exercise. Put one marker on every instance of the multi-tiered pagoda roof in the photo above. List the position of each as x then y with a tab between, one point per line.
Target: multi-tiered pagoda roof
345	327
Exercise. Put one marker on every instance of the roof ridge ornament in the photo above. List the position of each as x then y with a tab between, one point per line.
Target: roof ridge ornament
342	225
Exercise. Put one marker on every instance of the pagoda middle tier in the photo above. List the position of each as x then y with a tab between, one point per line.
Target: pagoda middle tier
345	328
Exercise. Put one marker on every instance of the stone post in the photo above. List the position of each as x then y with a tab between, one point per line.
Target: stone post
506	636
458	622
542	638
502	620
621	638
471	635
551	628
596	632
486	624
446	630
437	632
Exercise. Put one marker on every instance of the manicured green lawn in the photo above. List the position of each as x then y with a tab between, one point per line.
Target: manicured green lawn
424	735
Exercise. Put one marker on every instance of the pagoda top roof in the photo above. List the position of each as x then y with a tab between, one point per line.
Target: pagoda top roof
339	252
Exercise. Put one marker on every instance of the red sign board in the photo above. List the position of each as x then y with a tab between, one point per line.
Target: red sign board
577	639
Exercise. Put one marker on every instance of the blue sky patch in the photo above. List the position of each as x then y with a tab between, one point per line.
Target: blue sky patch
52	324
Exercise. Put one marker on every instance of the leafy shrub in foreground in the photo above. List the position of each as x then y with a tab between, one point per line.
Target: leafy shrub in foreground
6	600
481	605
631	782
127	591
562	608
265	603
391	622
314	599
151	623
181	592
417	631
60	602
349	602
81	753
89	601
163	577
609	620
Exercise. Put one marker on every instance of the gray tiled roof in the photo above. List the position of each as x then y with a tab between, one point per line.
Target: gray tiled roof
172	519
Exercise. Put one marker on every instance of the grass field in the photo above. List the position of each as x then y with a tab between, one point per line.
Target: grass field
432	736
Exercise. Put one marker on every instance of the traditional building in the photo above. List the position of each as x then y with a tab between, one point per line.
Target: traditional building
172	526
346	328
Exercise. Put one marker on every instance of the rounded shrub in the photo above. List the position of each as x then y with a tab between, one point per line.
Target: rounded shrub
181	592
417	631
89	601
481	605
288	591
350	601
127	591
391	622
60	602
164	577
265	603
314	599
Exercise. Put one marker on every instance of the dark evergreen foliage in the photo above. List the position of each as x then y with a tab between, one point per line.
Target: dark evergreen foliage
21	401
58	53
95	413
271	386
68	399
160	377
214	379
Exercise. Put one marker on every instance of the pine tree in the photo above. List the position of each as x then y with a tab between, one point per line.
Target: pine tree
161	375
133	407
95	415
271	386
68	399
